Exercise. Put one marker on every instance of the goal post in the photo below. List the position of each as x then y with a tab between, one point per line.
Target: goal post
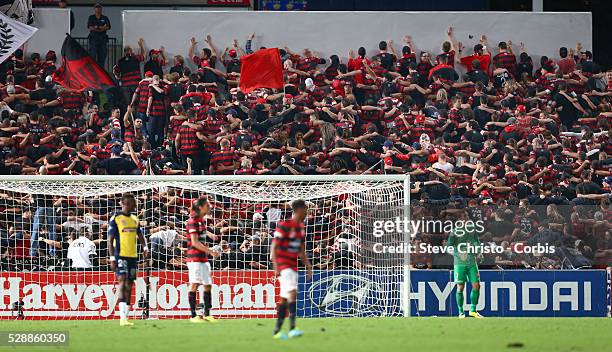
406	282
54	248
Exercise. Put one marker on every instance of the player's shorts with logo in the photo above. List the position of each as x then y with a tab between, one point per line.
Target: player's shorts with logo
127	267
288	280
465	273
199	273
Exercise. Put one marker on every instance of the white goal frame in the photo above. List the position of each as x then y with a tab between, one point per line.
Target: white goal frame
405	178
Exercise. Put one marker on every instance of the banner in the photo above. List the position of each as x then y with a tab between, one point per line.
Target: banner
93	295
512	293
282	5
350	294
13	34
228	2
336	293
20	10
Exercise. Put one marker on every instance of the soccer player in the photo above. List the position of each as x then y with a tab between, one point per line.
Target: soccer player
287	247
464	240
123	234
197	260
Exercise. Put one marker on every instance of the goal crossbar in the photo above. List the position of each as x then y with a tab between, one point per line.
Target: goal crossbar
204	178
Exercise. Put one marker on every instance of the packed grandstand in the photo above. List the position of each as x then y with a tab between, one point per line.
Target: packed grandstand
523	146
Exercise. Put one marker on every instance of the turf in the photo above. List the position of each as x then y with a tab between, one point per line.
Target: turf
366	334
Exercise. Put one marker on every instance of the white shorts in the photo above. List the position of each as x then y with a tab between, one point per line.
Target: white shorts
288	280
199	273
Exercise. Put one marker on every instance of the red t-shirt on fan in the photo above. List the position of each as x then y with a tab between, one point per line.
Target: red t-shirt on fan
288	239
196	225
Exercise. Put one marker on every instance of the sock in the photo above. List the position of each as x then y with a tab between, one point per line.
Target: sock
474	295
459	298
122	310
292	309
192	303
127	307
207	303
281	312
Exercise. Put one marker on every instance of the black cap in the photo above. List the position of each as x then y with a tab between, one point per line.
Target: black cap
97	5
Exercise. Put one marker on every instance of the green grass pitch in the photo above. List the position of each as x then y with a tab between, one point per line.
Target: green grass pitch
341	334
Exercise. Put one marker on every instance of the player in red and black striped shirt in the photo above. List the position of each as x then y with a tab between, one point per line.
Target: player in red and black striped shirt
197	259
287	247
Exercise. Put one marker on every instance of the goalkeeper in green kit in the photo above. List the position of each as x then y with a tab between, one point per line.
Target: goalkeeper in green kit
465	244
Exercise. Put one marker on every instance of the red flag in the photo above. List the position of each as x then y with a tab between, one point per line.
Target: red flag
79	71
262	69
485	60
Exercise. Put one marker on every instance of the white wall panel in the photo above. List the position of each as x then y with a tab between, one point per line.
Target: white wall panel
52	24
338	32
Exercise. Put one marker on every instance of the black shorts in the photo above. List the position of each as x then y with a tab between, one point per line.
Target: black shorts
127	267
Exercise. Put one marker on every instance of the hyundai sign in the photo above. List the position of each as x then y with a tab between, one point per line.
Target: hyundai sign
514	293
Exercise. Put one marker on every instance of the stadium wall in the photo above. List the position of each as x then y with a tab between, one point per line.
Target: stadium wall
337	293
52	24
338	32
114	13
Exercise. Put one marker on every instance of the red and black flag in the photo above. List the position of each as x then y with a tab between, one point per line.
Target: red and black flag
79	71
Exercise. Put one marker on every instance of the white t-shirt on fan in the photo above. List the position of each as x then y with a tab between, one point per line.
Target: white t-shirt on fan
80	251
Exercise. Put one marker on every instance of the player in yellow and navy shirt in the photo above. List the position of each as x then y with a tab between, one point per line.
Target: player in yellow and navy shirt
123	237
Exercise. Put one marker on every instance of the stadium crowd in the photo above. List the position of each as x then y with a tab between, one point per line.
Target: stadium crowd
524	146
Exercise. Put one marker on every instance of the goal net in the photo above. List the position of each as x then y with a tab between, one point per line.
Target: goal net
54	260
